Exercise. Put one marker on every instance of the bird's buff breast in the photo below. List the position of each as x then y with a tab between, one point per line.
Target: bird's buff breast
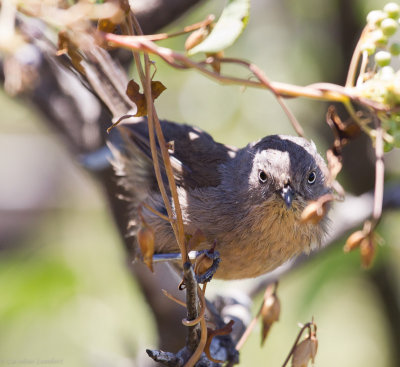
268	235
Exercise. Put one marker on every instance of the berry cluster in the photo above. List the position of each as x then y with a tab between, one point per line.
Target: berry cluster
378	79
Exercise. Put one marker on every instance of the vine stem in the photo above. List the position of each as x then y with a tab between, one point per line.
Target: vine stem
155	129
306	326
351	75
379	173
320	91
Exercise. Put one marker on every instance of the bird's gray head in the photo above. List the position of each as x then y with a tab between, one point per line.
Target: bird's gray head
287	168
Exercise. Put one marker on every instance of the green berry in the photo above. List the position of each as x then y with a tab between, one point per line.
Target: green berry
379	38
395	49
389	26
383	58
369	47
386	73
392	10
376	16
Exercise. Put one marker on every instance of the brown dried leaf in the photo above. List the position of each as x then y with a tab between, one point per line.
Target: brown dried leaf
196	37
354	241
106	25
305	351
334	163
213	59
315	211
343	131
367	251
156	89
270	312
67	46
132	91
145	238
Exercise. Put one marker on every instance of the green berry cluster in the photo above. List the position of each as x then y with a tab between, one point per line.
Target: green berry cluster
381	83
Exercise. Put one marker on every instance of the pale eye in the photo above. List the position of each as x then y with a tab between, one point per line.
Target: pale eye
312	176
262	176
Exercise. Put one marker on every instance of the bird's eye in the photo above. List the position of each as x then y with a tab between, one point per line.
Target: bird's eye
311	177
262	176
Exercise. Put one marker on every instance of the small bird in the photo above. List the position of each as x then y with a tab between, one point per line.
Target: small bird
246	202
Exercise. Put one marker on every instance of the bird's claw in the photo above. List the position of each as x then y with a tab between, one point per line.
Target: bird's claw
206	265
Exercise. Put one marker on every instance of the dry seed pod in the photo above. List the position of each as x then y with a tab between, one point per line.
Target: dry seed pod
367	251
316	210
195	38
313	212
354	241
145	238
305	351
270	312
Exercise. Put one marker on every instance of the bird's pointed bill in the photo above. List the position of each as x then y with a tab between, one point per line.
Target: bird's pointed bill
287	195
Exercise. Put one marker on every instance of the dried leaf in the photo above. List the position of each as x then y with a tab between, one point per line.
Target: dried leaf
196	37
315	211
270	312
305	351
145	238
354	241
230	25
334	163
367	251
106	25
343	131
213	59
132	91
67	46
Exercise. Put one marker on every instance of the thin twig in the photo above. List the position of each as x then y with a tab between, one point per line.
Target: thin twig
190	28
172	298
379	173
203	334
306	326
178	60
351	75
156	212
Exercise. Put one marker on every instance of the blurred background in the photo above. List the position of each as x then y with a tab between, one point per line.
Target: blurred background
67	294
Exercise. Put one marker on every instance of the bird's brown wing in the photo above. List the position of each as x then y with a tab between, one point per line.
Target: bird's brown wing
195	155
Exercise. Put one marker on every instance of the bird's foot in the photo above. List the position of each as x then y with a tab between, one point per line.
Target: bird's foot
206	265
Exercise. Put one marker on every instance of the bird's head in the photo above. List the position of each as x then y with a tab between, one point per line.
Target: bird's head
289	169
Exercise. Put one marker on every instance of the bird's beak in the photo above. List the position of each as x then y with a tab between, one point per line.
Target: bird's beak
287	194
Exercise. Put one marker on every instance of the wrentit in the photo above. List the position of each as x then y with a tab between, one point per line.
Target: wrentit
247	202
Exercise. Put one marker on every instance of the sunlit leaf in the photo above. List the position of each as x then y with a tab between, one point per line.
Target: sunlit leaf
230	25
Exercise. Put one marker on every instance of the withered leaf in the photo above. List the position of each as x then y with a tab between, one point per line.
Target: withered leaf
270	312
67	46
316	210
367	251
133	92
334	163
305	351
196	37
106	25
343	131
354	241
